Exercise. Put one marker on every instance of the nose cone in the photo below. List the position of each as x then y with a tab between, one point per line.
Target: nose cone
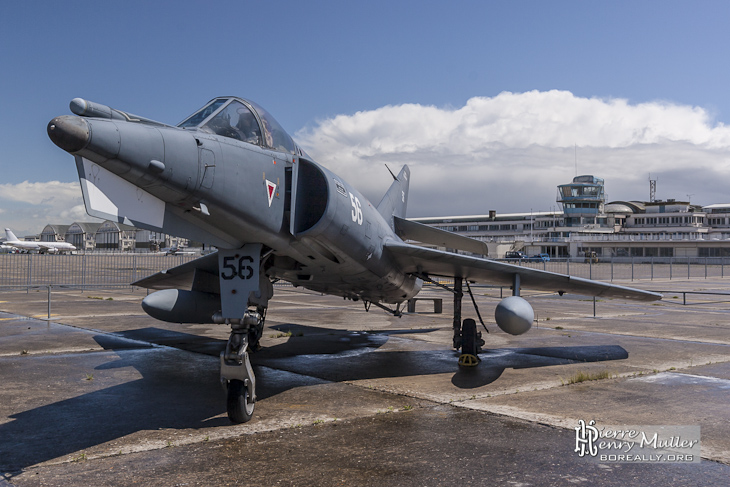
68	132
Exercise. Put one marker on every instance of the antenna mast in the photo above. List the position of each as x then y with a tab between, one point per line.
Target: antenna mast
652	189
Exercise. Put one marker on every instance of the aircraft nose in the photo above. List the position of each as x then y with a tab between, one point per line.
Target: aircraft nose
68	132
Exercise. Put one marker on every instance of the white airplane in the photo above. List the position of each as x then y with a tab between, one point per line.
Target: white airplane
53	247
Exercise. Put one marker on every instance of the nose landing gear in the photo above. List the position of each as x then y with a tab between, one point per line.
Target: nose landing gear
236	372
245	294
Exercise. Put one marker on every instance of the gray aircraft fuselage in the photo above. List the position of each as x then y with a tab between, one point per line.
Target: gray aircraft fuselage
323	234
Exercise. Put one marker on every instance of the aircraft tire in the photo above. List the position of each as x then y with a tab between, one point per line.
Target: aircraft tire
239	409
469	337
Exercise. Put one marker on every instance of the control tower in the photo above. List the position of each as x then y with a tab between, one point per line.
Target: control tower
582	200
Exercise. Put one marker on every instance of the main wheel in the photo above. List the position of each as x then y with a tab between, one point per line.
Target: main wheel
469	344
469	337
239	409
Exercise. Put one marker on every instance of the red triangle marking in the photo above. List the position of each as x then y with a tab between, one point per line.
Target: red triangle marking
270	188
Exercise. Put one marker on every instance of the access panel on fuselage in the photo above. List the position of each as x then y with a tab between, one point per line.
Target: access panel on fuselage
253	184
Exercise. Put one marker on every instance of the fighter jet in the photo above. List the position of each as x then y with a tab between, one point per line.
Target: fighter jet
230	176
42	247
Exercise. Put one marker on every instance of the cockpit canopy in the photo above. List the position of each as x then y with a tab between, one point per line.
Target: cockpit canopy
241	120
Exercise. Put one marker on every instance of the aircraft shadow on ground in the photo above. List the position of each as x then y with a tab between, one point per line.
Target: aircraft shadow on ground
178	390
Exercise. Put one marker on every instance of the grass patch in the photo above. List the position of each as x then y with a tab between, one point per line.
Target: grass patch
581	376
287	334
281	335
80	458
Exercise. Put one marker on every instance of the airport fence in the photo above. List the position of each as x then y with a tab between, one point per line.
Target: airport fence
119	270
636	269
84	270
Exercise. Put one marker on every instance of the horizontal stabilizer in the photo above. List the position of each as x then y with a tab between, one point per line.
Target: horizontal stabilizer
410	230
423	261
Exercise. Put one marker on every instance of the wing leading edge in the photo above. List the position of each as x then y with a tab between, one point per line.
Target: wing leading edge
420	260
200	274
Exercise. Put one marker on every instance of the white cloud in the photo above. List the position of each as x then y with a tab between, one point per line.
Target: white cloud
509	152
28	207
43	193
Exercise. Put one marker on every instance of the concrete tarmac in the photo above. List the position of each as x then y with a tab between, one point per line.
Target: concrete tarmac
102	394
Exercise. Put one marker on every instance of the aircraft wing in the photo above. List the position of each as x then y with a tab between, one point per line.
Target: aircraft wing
420	260
199	275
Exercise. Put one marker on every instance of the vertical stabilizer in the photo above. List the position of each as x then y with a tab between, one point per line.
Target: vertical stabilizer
10	236
395	201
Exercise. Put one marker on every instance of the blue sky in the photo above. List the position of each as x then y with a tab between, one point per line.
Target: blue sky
308	62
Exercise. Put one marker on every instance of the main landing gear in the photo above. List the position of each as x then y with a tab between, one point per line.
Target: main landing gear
466	336
513	315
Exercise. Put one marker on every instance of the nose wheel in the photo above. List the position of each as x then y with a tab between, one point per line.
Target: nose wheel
240	409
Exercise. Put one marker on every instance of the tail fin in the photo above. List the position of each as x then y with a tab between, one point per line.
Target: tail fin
395	201
10	236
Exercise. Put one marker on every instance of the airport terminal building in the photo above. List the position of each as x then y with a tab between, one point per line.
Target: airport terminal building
585	223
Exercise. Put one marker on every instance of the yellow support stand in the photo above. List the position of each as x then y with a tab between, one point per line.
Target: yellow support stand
468	360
